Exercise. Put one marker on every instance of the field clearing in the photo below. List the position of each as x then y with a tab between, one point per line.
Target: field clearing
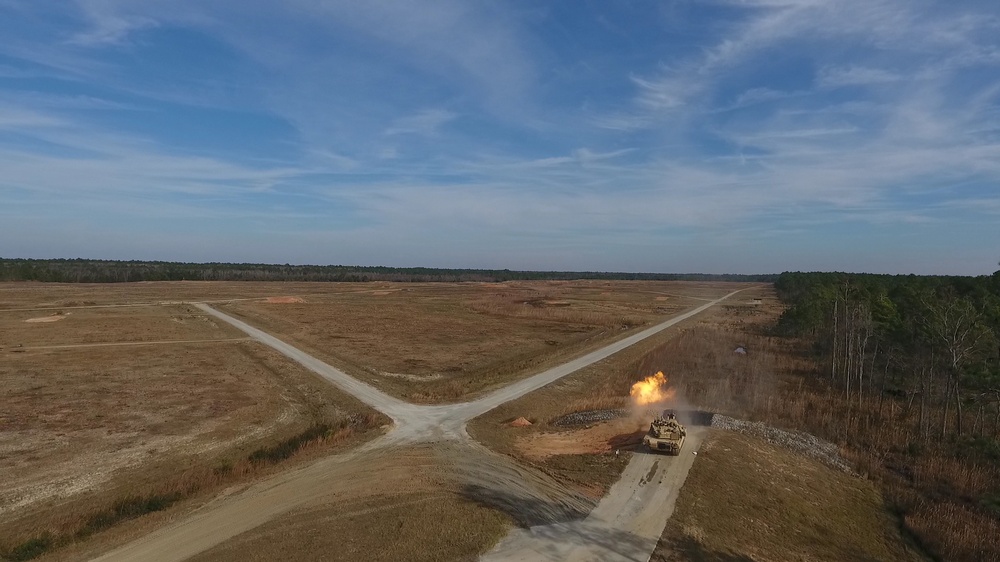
382	529
153	419
768	484
606	385
593	439
83	427
50	296
435	343
395	505
746	499
107	325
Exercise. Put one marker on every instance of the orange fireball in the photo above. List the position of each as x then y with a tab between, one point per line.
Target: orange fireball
651	390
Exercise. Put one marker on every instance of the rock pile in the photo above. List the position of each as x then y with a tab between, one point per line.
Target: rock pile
590	416
798	441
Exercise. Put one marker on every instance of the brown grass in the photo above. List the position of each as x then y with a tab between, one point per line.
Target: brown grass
159	423
448	342
84	428
69	296
699	360
76	521
102	325
381	529
777	382
400	504
747	500
603	385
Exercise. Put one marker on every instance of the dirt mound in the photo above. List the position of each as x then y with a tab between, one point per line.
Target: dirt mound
520	422
601	438
51	318
284	300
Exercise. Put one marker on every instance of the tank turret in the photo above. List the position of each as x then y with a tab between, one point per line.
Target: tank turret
665	434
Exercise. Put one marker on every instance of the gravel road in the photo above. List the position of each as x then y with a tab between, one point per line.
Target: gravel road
624	526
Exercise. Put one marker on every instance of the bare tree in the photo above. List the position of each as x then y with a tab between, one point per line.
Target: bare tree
956	327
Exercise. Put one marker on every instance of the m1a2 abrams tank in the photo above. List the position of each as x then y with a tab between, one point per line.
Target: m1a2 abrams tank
665	434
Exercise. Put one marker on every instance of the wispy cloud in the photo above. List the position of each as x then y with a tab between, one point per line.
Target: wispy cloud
837	76
425	122
108	28
392	128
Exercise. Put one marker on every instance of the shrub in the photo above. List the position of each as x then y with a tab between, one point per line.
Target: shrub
29	549
128	508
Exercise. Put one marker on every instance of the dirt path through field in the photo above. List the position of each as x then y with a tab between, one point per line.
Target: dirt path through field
484	475
625	526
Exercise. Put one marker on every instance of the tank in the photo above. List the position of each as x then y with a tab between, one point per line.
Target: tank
666	434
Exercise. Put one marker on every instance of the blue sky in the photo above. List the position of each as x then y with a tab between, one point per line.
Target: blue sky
672	136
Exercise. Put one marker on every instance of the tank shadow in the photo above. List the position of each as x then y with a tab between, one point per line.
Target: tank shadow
695	418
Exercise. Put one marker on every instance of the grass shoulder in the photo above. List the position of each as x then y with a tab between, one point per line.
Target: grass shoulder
746	499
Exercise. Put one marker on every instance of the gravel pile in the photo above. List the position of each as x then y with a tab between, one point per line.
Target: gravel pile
798	441
590	416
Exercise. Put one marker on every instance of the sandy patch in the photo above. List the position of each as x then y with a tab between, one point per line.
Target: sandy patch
596	439
384	293
50	318
661	298
284	300
116	451
520	422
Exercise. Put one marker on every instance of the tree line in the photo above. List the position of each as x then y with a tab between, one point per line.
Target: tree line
111	271
932	341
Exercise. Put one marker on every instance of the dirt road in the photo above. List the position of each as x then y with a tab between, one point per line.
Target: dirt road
419	423
414	424
625	526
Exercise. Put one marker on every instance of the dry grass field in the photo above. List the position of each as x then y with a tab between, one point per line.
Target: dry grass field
748	500
111	412
376	529
394	505
700	363
380	529
432	343
67	327
587	456
148	404
423	342
123	399
56	296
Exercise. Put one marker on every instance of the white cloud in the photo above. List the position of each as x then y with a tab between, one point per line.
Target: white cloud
426	122
110	30
709	148
18	118
111	22
336	160
837	76
106	164
667	91
477	40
